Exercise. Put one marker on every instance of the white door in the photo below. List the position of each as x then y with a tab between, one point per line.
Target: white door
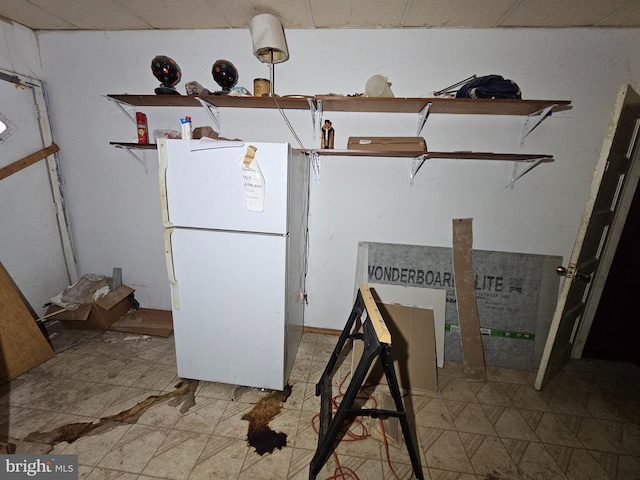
230	325
614	183
34	241
209	189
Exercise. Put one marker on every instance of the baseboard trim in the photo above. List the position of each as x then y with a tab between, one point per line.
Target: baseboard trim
322	331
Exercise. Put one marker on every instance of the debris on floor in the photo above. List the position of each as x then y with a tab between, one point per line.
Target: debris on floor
91	303
62	339
7	447
239	392
145	321
260	435
183	394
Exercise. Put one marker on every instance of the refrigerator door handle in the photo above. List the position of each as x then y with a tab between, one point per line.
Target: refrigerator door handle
168	252
162	182
168	226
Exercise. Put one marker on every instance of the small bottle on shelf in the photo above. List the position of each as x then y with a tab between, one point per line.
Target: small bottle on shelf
185	128
143	128
327	135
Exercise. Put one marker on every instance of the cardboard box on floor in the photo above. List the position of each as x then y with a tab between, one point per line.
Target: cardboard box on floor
99	315
413	347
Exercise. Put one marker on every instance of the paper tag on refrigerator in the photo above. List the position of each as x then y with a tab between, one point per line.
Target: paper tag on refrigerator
253	180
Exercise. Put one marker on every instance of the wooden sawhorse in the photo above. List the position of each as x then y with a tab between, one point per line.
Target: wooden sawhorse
377	343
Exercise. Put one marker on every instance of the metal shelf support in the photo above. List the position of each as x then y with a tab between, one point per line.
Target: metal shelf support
212	111
316	116
535	119
314	158
141	161
514	172
422	117
416	164
122	109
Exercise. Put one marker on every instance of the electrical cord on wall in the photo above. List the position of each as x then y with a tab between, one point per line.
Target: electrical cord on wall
303	276
286	120
305	255
305	259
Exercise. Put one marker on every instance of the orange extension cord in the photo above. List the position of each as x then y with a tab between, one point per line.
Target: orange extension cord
345	473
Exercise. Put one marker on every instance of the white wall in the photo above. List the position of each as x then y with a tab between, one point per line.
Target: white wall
19	50
30	243
113	204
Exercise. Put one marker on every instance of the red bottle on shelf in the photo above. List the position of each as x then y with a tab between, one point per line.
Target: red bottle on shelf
143	128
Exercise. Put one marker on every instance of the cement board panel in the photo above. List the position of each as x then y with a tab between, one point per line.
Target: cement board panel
516	295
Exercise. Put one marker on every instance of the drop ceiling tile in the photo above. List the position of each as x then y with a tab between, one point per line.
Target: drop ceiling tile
456	13
98	15
553	13
358	13
205	14
292	13
32	16
162	14
627	16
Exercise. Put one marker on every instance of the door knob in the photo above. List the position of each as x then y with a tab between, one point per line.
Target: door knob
563	271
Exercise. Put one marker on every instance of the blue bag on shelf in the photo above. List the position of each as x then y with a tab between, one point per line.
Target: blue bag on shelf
490	86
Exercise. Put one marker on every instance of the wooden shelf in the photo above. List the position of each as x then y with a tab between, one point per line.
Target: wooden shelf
461	155
535	111
337	103
136	146
221	101
463	106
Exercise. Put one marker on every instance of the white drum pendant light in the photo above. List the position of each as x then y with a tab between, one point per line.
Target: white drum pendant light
269	42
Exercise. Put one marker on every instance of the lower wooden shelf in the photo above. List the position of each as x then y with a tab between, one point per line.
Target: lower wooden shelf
456	155
135	146
419	157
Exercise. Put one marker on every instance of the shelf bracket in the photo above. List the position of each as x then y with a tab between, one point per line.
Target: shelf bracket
314	158
422	117
416	164
316	116
212	111
516	165
122	109
141	161
535	119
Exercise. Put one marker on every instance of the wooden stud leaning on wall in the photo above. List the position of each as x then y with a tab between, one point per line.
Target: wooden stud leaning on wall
27	161
472	350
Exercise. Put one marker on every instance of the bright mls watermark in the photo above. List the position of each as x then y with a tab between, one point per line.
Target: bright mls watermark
46	467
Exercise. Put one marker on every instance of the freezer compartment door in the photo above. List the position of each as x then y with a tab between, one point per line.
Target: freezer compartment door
230	326
209	189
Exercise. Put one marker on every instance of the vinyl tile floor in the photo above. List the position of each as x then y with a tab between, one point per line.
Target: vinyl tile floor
585	424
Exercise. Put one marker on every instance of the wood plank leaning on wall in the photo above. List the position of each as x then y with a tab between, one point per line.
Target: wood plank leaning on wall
22	344
24	162
472	349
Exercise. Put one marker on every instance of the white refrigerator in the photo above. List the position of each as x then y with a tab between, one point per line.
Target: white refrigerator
235	230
